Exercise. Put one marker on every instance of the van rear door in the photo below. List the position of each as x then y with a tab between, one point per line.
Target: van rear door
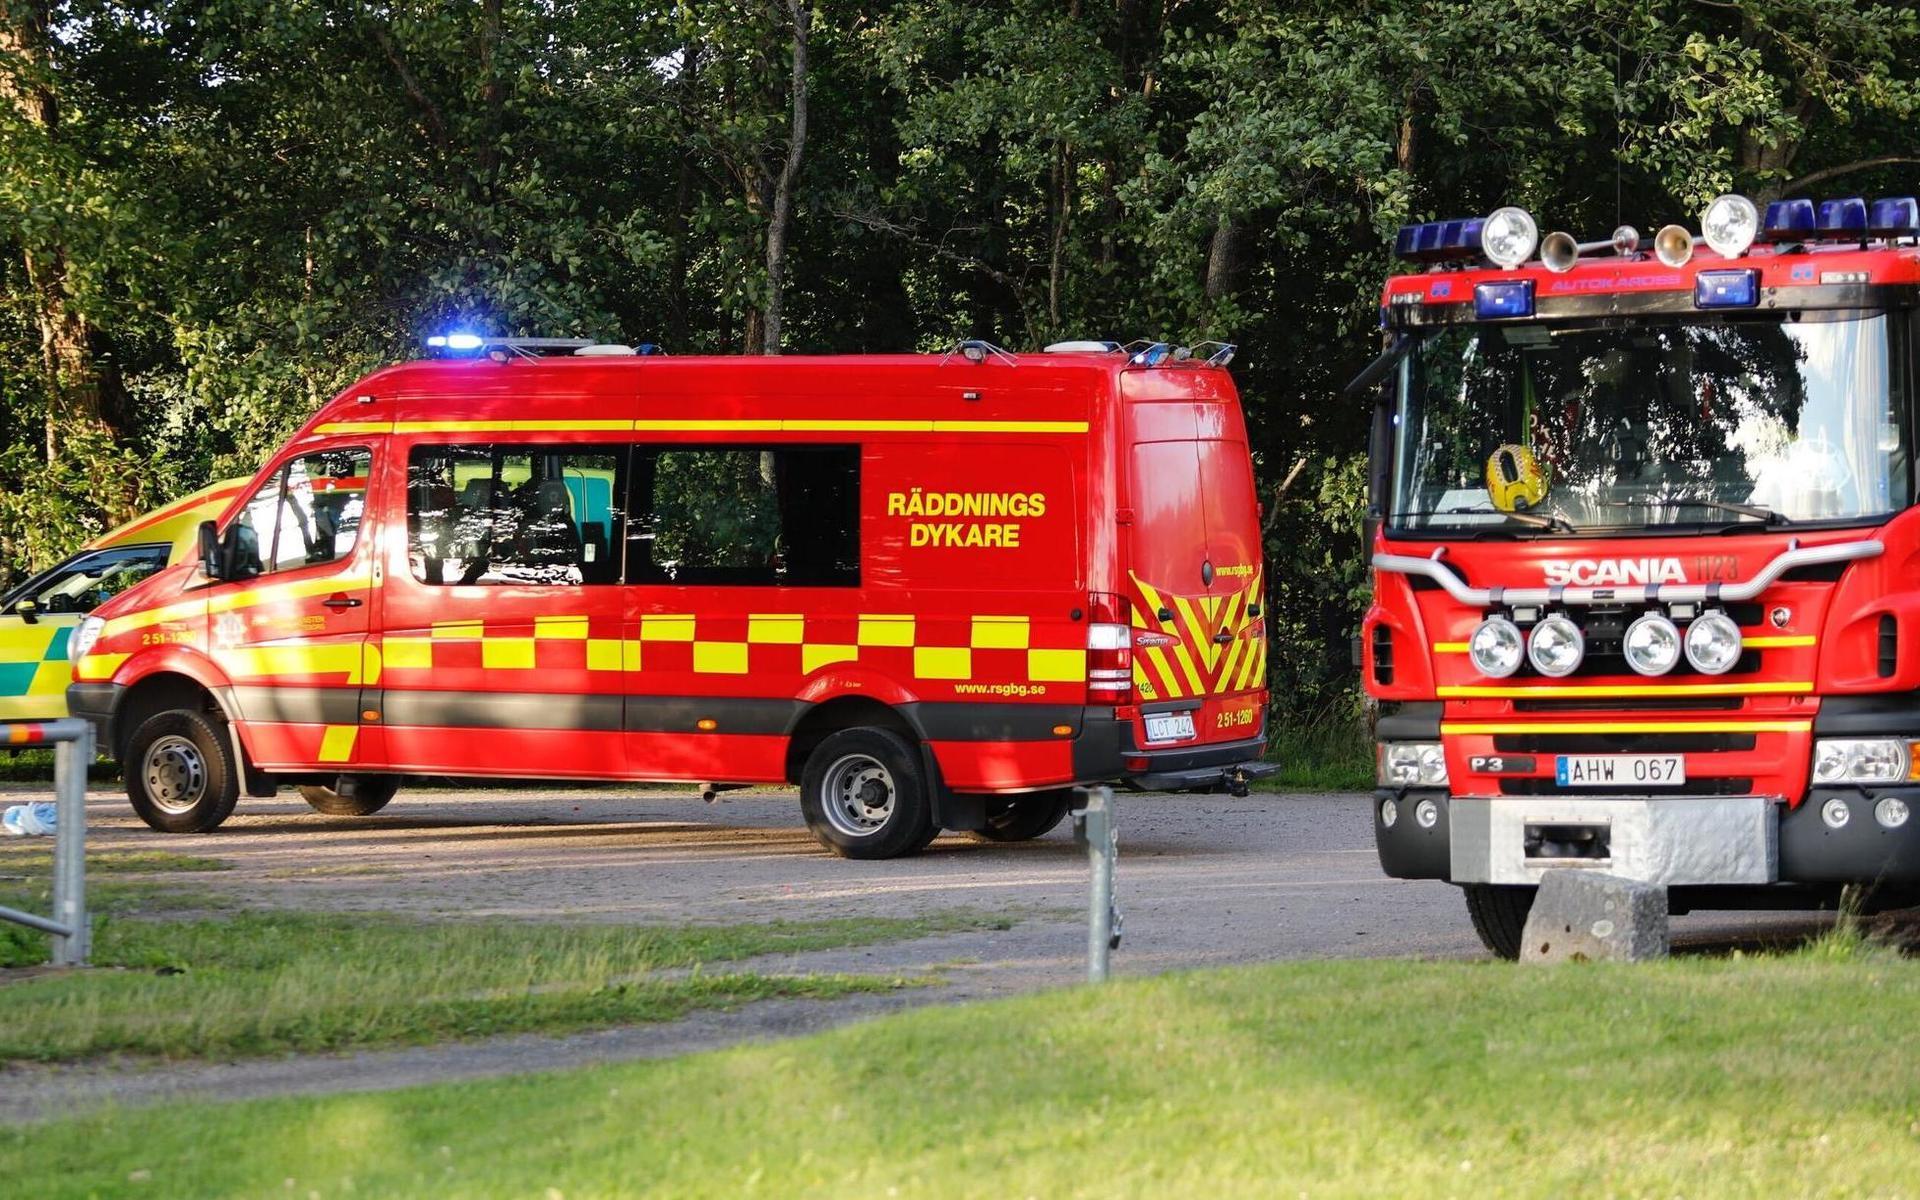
1194	573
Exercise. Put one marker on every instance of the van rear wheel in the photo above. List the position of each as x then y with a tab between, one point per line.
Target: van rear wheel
1499	915
1023	818
351	795
864	795
181	777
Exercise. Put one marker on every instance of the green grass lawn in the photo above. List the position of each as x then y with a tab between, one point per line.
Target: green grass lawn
183	972
1329	753
1744	1077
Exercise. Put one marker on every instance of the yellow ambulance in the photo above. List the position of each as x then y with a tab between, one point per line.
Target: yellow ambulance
38	616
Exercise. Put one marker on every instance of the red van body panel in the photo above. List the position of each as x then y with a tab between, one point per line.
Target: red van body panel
997	504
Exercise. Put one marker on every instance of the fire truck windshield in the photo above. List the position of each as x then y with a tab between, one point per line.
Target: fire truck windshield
1543	429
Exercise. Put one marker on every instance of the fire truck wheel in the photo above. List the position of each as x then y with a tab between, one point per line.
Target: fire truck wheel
1499	915
1023	818
180	772
864	796
351	795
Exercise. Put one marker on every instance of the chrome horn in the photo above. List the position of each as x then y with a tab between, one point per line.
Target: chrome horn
1673	245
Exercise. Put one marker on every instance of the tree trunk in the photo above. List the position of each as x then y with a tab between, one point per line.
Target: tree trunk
780	220
1223	259
76	390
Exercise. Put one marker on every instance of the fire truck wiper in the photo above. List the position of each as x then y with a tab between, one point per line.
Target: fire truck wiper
1757	511
1555	522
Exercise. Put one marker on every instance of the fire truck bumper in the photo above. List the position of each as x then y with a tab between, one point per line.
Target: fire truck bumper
1676	841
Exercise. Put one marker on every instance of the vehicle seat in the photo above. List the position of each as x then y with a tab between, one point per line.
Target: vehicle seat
550	541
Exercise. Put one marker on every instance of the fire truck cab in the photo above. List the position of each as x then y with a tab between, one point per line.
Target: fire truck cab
1646	594
934	591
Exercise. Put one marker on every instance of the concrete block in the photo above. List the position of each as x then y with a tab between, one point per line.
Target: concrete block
1587	916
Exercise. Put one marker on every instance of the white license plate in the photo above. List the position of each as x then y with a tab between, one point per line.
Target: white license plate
1169	727
1620	770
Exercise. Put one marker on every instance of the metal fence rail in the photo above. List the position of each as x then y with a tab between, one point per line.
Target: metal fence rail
72	742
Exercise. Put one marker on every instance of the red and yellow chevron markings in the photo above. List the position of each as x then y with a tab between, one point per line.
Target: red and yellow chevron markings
1197	661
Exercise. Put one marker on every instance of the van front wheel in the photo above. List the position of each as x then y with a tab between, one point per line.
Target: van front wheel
181	777
864	795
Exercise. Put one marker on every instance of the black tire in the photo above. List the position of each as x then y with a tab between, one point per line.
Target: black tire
351	795
1023	818
180	772
864	795
1499	915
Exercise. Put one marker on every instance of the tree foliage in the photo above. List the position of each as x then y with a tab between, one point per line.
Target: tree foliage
214	213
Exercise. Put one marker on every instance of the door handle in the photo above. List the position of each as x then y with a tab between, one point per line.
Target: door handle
1222	638
342	601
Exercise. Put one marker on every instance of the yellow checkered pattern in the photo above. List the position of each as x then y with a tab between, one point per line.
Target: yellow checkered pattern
34	671
876	633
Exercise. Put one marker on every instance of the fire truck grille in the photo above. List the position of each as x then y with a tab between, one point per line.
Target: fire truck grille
1622	743
1692	787
1640	704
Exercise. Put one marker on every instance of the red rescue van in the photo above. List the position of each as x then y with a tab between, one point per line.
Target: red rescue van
934	591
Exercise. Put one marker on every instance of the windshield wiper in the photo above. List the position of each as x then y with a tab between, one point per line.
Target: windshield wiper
1757	511
1556	523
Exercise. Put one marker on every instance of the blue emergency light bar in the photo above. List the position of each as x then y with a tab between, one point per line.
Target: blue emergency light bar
1788	221
1439	241
1845	218
1895	216
465	343
1502	299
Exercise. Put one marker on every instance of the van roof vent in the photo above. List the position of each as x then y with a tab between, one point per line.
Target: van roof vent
1083	347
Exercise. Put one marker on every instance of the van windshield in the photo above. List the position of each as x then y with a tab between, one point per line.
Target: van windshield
1650	423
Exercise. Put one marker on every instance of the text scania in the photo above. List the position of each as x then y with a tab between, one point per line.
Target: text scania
1613	572
971	514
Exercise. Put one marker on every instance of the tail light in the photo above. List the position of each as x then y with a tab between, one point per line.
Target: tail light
1109	650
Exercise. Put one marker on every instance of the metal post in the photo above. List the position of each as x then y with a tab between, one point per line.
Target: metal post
1093	827
73	752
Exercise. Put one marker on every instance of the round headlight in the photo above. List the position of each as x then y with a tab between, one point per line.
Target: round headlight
1496	647
1829	761
1556	646
1713	643
1891	812
1427	813
1508	236
1389	812
1836	813
1730	224
1652	645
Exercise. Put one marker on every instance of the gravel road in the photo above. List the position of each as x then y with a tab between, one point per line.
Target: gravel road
1203	881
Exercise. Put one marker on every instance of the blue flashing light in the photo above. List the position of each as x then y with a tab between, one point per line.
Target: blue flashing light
1506	298
1895	216
1843	218
464	341
1726	289
1439	241
1788	221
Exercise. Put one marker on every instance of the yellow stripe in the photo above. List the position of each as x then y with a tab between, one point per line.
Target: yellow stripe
1450	647
1169	681
99	666
1780	641
1755	688
336	744
354	427
667	425
1224	680
1186	665
1631	727
246	598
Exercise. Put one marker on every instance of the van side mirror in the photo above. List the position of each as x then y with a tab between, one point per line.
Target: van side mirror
212	562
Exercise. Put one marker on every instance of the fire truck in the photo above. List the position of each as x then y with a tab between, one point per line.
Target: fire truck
935	591
1646	563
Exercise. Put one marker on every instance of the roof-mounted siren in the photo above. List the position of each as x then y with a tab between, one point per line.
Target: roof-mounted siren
1673	245
976	351
1560	253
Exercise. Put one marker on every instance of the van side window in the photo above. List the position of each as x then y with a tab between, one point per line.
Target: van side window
498	514
745	515
307	514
